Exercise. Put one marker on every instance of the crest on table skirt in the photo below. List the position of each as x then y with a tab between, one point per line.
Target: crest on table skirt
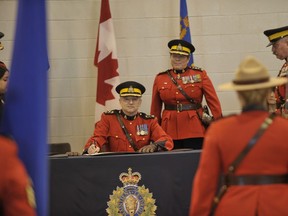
131	199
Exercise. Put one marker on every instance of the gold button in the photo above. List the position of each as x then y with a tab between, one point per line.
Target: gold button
176	92
130	123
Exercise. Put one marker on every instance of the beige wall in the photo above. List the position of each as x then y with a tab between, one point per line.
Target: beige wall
223	32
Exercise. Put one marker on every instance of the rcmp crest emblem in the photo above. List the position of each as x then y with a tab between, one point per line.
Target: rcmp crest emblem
131	199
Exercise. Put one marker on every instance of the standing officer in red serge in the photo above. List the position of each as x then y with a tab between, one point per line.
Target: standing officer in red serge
128	130
181	90
279	41
250	149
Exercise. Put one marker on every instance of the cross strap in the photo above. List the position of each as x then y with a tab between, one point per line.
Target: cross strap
233	166
126	132
267	122
188	98
181	89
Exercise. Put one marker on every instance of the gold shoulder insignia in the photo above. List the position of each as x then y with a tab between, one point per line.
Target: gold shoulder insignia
196	68
146	116
111	112
164	72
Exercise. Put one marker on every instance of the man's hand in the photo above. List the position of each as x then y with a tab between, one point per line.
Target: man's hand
148	148
93	149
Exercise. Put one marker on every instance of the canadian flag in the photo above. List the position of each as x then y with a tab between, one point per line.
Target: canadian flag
106	61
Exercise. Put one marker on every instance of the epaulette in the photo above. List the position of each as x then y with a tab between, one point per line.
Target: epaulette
145	116
163	72
196	68
111	112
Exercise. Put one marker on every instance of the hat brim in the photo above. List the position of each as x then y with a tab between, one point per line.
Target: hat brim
270	44
272	82
180	53
130	94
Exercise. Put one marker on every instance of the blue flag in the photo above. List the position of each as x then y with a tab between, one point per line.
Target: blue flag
25	110
184	26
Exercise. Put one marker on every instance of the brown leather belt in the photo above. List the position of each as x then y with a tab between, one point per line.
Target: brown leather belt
182	107
256	179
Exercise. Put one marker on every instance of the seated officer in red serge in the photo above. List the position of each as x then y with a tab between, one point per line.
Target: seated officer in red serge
249	148
278	99
128	130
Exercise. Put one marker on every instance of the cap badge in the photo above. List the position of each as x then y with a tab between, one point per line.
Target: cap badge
131	89
179	47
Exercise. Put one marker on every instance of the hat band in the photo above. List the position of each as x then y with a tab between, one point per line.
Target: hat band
278	35
128	91
185	49
247	82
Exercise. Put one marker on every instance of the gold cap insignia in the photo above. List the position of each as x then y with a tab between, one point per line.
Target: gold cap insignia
179	47
131	89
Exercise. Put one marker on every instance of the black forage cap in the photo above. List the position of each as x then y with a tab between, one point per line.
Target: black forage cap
276	34
130	88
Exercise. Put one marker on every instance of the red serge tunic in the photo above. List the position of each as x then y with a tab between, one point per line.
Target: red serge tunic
280	91
224	141
143	129
185	124
15	188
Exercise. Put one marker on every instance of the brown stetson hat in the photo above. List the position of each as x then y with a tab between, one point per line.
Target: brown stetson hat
251	75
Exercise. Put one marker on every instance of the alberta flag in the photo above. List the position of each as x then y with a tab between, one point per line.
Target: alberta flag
25	110
106	62
184	26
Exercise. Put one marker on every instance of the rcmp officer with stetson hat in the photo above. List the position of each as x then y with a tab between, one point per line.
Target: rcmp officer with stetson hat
182	113
278	39
127	129
256	181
